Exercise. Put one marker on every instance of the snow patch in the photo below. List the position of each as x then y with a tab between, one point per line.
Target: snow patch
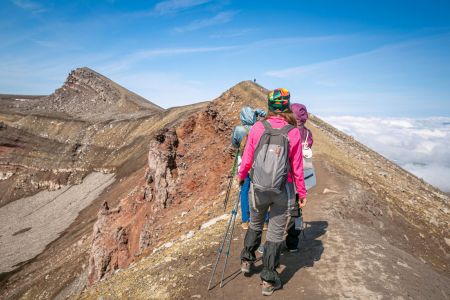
5	175
214	221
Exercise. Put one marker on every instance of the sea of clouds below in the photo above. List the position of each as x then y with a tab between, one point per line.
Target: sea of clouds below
419	145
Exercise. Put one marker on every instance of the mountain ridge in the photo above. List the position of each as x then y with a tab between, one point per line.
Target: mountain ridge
87	95
162	196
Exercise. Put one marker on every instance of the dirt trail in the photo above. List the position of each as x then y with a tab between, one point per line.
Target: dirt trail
339	257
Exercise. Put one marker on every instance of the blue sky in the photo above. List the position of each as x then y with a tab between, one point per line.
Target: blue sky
365	58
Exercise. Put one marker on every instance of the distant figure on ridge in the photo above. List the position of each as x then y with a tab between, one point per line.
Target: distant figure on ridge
254	80
273	156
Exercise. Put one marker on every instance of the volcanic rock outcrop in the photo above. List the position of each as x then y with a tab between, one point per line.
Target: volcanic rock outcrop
161	177
114	246
174	179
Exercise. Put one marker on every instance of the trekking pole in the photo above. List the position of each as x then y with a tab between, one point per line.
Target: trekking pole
219	252
233	216
233	170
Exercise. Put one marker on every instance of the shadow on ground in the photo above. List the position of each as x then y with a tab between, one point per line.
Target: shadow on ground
310	247
311	250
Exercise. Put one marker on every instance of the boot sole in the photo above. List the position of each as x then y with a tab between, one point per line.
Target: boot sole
269	293
246	271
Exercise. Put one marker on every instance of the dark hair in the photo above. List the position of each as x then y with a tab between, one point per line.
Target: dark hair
287	116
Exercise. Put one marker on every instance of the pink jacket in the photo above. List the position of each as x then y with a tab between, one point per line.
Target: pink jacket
295	152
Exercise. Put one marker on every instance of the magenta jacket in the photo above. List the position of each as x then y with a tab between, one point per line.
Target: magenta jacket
295	153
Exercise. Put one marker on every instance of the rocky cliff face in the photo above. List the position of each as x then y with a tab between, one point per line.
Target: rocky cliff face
86	125
162	174
32	163
47	150
174	186
124	232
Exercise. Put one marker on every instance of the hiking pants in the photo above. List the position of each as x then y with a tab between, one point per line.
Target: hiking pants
245	209
260	203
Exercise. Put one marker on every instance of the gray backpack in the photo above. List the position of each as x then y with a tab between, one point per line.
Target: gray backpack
271	160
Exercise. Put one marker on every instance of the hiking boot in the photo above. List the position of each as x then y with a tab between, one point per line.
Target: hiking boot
285	248
293	250
244	225
266	227
268	288
246	266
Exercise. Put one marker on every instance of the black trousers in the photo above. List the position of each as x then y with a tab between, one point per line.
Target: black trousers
271	256
293	235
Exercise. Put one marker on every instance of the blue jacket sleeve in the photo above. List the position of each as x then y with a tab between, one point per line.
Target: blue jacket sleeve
260	112
239	133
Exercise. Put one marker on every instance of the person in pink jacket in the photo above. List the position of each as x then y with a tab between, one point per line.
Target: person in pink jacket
277	202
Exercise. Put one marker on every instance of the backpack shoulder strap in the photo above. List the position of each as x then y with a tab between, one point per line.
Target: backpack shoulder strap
267	125
287	128
244	141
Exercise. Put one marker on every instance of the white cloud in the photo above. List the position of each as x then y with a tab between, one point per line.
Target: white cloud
231	33
139	56
220	18
32	6
421	146
175	6
177	51
433	173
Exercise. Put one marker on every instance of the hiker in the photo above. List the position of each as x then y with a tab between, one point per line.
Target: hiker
293	231
248	117
273	156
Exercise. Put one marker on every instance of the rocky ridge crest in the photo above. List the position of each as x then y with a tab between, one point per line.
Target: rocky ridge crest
89	95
